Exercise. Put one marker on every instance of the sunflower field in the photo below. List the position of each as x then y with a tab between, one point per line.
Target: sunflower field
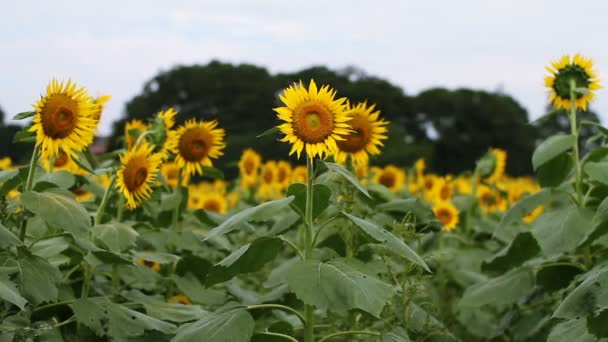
135	245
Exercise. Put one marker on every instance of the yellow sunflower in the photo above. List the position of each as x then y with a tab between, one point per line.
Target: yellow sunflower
534	214
447	214
442	191
299	174
165	118
490	201
6	164
215	202
577	70
314	120
366	136
62	162
100	104
133	129
170	172
82	195
180	299
64	118
500	163
391	177
283	174
137	173
153	265
195	144
249	166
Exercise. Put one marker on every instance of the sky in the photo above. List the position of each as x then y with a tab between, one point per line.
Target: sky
114	47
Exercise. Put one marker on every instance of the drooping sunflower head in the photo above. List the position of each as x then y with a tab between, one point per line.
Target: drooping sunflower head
137	173
391	177
195	144
64	118
314	119
366	136
567	72
133	129
100	104
447	214
249	166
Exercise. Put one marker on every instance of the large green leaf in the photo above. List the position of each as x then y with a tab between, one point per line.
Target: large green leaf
556	171
263	211
570	331
383	236
39	279
114	320
249	258
521	249
9	292
597	171
347	175
500	291
396	335
7	238
48	248
589	298
62	179
229	325
58	211
339	285
551	148
173	312
522	208
116	236
321	195
562	230
597	324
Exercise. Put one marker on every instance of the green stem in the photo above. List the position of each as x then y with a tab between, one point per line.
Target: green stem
267	333
574	132
292	245
52	305
85	281
350	332
277	306
309	309
178	186
91	158
104	200
121	209
469	214
28	186
314	241
66	322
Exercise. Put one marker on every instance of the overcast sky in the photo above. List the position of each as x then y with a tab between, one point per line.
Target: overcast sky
115	46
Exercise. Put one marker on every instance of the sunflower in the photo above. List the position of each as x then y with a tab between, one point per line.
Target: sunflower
443	190
64	118
62	162
314	120
283	174
82	195
195	144
577	71
180	299
365	137
500	163
490	201
170	172
153	265
299	174
6	164
214	202
100	104
391	177
133	129
269	188
163	125
137	173
195	196
447	214
249	166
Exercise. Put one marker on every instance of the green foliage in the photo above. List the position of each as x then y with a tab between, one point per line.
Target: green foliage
232	324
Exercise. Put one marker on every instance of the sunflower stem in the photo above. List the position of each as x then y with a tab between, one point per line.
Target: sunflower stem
469	213
350	332
28	186
308	309
104	201
575	154
91	158
121	209
175	217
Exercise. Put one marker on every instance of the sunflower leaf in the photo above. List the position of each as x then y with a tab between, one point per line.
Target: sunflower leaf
24	115
273	130
347	175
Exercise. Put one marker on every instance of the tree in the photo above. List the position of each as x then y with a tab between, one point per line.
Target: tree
467	122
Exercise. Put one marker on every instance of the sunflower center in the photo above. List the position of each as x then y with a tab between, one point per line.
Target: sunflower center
428	184
387	179
61	160
282	175
194	144
59	116
172	174
267	176
445	193
312	122
358	138
444	215
569	73
149	263
212	205
488	199
135	174
249	166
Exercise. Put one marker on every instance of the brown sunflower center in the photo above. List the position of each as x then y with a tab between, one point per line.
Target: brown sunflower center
194	144
59	116
282	175
445	192
488	199
312	122
212	205
359	138
444	215
267	176
172	174
387	179
248	166
149	263
61	160
135	174
428	184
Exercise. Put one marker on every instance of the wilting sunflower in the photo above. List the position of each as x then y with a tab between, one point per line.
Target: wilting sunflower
579	70
137	173
366	136
500	163
249	166
100	104
314	120
180	299
64	118
133	129
391	177
447	214
195	144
